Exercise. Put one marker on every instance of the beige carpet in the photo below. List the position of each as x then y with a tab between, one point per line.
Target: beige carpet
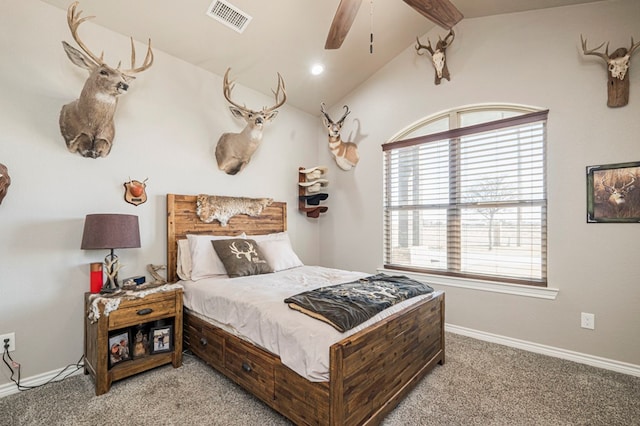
480	384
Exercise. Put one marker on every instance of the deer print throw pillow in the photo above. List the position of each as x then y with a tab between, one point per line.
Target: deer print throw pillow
241	257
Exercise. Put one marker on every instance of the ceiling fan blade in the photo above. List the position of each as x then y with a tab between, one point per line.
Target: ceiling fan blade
442	12
342	21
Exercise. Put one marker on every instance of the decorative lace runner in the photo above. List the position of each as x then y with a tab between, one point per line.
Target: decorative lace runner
112	301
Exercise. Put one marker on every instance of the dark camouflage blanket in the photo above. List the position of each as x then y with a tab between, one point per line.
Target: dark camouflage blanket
347	305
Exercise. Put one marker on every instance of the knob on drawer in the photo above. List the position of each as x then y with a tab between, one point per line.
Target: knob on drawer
145	311
246	367
203	341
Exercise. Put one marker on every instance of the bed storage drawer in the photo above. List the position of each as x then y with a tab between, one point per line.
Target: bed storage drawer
251	367
205	342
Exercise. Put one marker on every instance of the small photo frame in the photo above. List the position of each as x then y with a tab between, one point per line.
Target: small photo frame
613	193
119	347
161	339
140	346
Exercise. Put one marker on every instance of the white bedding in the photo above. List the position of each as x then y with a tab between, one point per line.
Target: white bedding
253	308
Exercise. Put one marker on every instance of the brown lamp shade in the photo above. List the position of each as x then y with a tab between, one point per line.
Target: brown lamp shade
110	231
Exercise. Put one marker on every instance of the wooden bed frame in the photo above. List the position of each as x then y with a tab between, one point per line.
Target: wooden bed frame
370	371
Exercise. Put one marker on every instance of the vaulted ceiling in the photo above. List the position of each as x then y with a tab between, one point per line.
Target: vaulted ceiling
286	36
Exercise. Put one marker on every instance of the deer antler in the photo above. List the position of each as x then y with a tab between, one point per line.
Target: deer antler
604	56
276	93
74	20
633	47
227	87
421	46
148	60
446	43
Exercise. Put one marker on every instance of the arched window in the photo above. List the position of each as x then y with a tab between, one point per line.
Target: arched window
465	195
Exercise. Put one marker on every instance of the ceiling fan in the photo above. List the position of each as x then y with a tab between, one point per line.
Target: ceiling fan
442	12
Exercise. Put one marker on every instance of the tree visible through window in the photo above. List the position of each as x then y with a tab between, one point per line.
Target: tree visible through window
469	201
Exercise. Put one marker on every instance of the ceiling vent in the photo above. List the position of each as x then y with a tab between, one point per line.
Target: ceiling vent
229	15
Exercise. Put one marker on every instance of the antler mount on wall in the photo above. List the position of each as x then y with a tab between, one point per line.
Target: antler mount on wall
618	71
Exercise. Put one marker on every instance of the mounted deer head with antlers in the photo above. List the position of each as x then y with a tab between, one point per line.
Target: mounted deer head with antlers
87	123
345	153
234	150
438	57
5	181
618	67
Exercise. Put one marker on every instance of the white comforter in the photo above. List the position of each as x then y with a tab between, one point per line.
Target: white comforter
253	308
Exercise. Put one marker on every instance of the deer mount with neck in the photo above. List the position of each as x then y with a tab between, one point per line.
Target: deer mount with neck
345	153
234	150
87	123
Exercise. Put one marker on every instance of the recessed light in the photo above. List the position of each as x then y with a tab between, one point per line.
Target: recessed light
317	69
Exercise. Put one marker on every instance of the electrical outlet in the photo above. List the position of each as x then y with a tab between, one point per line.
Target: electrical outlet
12	341
588	321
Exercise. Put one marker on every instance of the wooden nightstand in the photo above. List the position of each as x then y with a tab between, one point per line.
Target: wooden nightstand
160	307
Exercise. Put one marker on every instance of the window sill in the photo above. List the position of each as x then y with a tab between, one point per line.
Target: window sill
490	286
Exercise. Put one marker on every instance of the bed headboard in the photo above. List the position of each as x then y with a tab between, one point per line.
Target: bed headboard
182	220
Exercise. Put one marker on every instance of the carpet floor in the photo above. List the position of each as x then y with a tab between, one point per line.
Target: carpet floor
480	384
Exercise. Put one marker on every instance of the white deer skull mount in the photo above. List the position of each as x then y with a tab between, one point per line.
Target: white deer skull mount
618	70
438	55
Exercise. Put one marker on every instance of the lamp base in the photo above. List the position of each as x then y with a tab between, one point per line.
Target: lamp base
108	290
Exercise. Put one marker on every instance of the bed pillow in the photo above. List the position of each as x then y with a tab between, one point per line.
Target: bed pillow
241	257
183	264
278	251
205	262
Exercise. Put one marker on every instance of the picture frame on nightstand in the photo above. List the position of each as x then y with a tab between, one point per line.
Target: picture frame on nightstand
140	341
161	339
119	347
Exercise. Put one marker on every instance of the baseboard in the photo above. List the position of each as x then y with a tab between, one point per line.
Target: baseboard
40	379
594	361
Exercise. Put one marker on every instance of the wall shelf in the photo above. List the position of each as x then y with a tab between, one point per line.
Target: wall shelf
311	192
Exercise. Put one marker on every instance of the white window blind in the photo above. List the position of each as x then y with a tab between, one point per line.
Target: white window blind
470	201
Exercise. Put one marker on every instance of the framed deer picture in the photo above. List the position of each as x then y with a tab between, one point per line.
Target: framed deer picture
613	193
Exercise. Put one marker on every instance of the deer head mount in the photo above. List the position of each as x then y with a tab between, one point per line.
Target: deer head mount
234	150
345	153
438	57
87	123
5	181
618	67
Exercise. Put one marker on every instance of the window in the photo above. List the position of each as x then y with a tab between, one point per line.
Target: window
469	201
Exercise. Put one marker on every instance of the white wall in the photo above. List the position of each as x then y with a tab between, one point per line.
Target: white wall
532	58
168	124
166	130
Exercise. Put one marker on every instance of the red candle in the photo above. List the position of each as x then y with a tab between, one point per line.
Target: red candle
96	277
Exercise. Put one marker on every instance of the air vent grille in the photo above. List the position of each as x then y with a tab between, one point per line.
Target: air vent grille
229	15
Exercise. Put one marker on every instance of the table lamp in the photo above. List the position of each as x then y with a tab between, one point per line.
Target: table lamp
110	231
